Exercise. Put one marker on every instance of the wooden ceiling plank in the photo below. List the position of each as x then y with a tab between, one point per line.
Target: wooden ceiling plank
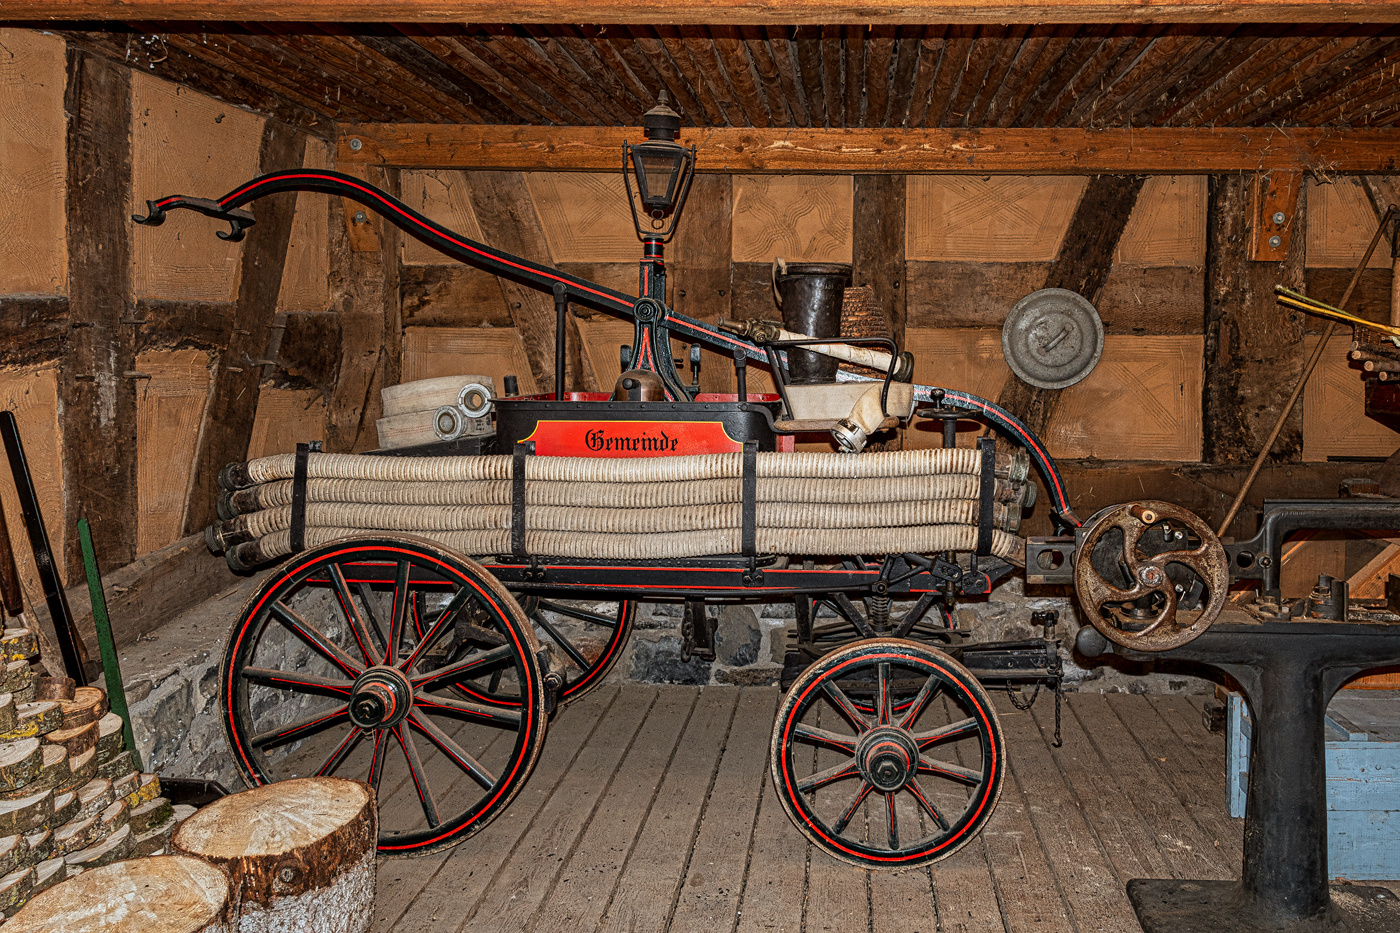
1077	63
647	59
831	76
1024	107
1141	150
1156	89
931	54
770	80
430	69
906	61
1231	53
1094	75
322	56
386	73
979	60
785	57
460	57
578	59
1253	87
641	90
853	73
1027	54
1119	81
531	65
762	12
806	43
222	51
1354	100
590	90
500	60
733	67
674	48
1305	83
880	46
1362	84
1165	51
155	56
1235	83
957	46
1231	50
1007	50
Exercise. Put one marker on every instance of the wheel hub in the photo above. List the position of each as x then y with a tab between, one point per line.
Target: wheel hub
888	758
380	699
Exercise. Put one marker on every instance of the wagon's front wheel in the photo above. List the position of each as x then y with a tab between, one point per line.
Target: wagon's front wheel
345	662
887	754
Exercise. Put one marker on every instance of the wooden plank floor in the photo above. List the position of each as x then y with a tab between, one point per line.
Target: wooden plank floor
651	810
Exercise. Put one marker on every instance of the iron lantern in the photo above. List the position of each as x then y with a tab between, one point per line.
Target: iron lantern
663	171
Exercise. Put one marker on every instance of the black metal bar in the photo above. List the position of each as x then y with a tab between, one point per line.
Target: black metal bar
561	314
985	504
1261	557
297	531
69	643
517	498
741	374
750	499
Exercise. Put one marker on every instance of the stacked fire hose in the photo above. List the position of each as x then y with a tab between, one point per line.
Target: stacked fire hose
816	504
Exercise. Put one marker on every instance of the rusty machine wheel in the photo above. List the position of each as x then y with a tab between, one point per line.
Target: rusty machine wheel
346	662
887	753
1138	563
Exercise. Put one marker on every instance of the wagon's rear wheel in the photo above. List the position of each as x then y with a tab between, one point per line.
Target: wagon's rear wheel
887	754
585	637
345	662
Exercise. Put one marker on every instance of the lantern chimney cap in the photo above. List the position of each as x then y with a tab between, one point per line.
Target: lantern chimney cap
661	122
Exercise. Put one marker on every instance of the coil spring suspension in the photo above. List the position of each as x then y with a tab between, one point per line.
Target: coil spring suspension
880	613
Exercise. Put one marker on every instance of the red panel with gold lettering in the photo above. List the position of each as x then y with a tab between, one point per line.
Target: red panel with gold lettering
631	438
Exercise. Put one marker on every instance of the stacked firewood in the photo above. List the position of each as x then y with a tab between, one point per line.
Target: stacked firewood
70	795
1377	353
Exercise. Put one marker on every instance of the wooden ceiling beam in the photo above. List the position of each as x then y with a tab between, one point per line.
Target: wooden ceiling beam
787	12
736	150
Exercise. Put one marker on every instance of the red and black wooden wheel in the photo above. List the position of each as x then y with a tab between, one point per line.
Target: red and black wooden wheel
585	637
887	754
346	662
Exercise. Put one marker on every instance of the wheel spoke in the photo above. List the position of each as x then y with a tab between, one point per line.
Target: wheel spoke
954	730
462	669
583	615
420	778
312	636
882	692
334	759
848	611
921	699
829	776
574	654
376	766
304	683
918	792
301	728
892	820
439	626
352	615
811	735
367	600
840	825
475	712
949	770
414	606
915	615
844	706
398	614
452	750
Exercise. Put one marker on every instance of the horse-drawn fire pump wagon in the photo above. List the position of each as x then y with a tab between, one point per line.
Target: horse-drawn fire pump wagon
435	606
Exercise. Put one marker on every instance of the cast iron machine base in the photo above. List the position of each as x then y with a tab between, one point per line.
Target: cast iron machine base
1288	671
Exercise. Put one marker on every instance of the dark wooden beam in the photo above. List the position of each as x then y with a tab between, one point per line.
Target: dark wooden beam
502	205
1254	348
149	53
33	329
452	296
184	325
857	151
371	332
877	232
1082	265
97	395
233	401
715	11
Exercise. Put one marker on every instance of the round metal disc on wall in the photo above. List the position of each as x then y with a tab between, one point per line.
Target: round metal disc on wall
1052	338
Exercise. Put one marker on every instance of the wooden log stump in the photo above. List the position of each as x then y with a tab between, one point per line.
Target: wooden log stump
168	894
35	719
17	644
20	763
9	715
19	676
147	789
109	739
54	688
65	807
94	797
48	873
82	768
150	815
87	706
114	847
299	853
76	739
41	846
25	813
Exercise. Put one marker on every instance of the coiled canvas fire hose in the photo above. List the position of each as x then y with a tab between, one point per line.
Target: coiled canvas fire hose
604	509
